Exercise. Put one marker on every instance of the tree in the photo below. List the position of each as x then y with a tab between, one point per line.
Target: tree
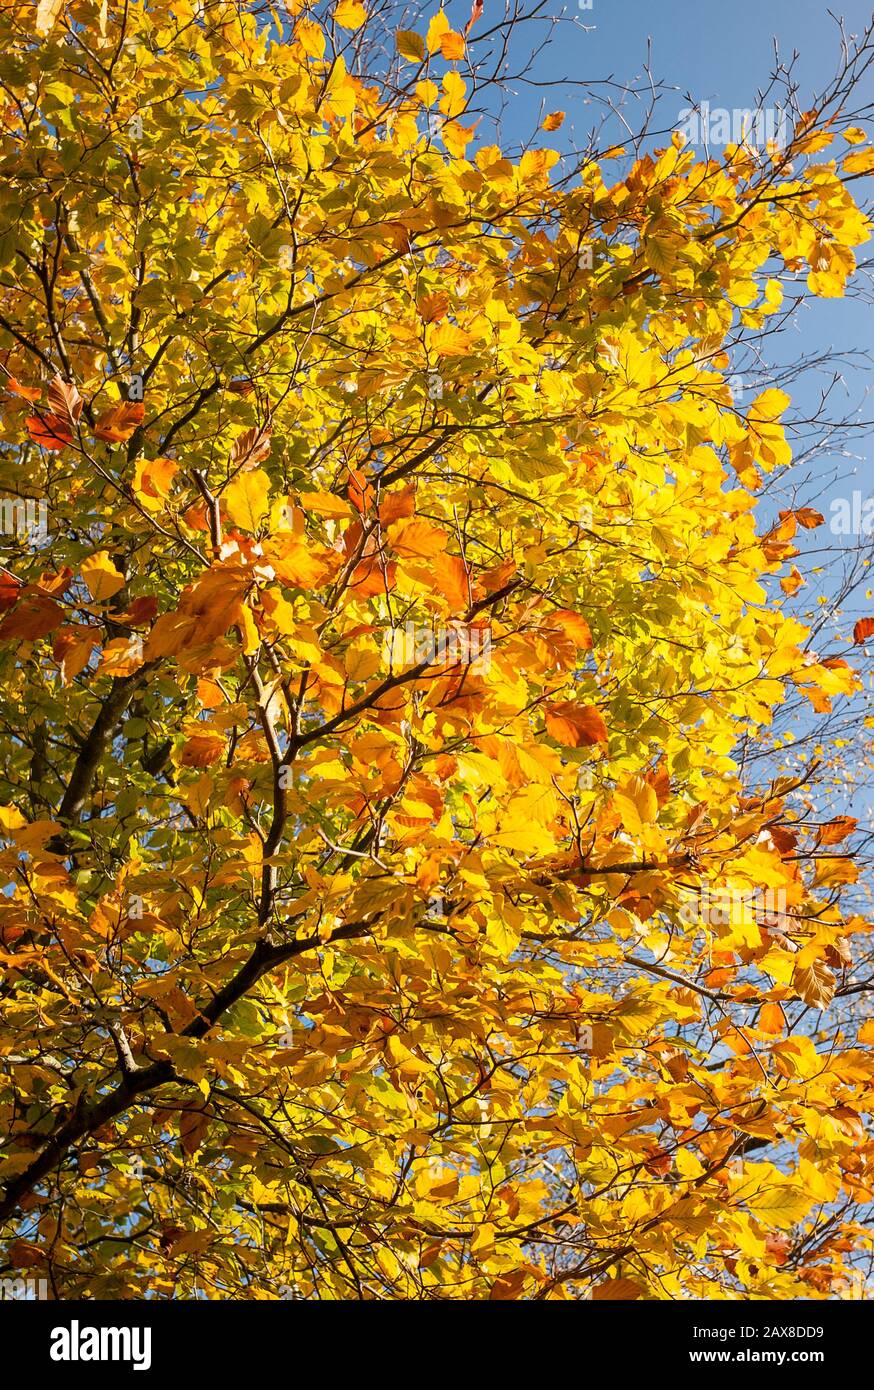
386	913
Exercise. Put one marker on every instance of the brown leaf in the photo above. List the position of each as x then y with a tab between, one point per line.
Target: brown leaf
65	401
192	1130
838	954
784	840
815	985
251	447
658	1162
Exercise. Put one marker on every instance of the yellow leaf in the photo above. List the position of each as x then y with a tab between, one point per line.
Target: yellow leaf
47	12
782	1206
502	936
438	26
246	499
11	818
637	804
363	659
101	576
350	14
325	504
532	803
447	339
453	103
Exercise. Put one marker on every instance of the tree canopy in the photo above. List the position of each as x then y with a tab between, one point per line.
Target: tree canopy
386	911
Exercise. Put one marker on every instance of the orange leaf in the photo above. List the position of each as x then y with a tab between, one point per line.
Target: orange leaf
451	579
793	581
805	516
122	656
72	650
612	1289
575	726
433	306
416	538
836	830
573	626
771	1019
33	616
863	630
10	588
452	46
476	11
50	432
397	505
118	424
27	393
202	749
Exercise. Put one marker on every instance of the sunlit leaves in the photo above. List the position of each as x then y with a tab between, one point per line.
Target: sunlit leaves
246	499
383	694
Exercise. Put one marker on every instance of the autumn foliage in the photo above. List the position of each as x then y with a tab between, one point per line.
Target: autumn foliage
328	969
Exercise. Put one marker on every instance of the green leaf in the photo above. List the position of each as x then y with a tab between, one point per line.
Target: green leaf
410	45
